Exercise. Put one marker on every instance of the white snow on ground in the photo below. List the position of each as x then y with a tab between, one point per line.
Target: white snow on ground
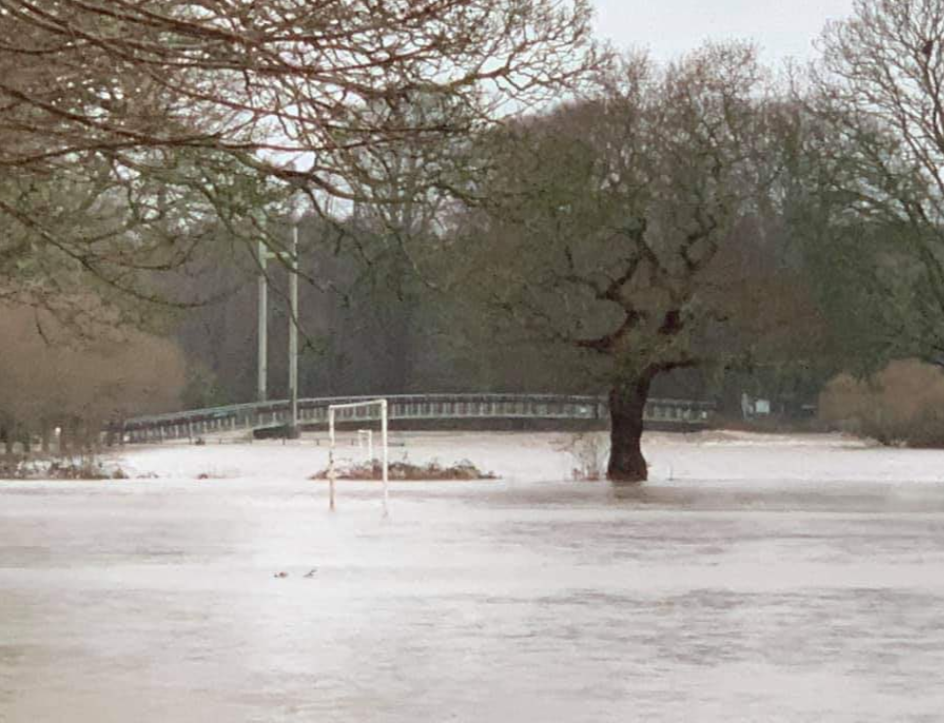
755	578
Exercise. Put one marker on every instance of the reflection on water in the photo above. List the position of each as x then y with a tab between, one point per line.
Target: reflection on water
853	498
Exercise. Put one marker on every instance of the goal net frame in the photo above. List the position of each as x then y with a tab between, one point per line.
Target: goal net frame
367	434
332	474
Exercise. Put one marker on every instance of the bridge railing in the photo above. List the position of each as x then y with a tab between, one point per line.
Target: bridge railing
256	415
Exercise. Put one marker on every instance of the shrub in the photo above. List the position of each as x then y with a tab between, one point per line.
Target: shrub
590	452
59	470
431	472
901	405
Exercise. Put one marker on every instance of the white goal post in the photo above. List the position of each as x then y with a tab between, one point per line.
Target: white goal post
367	434
382	403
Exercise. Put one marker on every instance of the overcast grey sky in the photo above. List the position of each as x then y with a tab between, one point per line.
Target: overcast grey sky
782	28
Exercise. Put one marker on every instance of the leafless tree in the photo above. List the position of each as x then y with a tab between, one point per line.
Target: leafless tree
164	118
878	96
270	80
615	227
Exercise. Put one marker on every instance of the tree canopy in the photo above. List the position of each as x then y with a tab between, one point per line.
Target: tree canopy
622	227
877	95
128	127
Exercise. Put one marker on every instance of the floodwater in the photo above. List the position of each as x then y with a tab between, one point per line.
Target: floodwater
754	579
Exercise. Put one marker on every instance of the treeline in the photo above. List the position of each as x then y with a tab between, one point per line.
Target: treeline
371	322
376	322
564	264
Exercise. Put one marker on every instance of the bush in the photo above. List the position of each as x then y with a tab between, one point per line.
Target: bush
53	374
901	405
430	472
58	470
590	453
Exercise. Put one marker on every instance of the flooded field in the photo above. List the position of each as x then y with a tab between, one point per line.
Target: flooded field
753	579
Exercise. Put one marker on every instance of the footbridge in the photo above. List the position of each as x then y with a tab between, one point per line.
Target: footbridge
405	409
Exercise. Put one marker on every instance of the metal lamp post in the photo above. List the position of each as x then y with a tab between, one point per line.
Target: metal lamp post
293	332
263	330
263	326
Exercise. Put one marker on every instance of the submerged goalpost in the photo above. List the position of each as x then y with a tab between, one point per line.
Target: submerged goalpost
382	403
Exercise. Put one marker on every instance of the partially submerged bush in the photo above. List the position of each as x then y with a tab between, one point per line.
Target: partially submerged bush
901	405
433	471
590	452
58	470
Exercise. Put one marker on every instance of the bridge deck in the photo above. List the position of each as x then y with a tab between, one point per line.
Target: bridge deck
426	407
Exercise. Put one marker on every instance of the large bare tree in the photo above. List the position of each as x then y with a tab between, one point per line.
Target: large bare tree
287	76
162	114
878	102
615	228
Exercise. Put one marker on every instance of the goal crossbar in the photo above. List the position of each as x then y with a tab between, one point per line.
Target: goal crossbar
382	403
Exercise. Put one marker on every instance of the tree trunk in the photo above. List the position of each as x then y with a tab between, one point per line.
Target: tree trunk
627	404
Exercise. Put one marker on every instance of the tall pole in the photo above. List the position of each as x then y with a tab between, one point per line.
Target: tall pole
263	330
331	459
383	432
293	333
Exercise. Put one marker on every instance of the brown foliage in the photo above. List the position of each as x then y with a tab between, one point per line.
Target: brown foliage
50	376
903	404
